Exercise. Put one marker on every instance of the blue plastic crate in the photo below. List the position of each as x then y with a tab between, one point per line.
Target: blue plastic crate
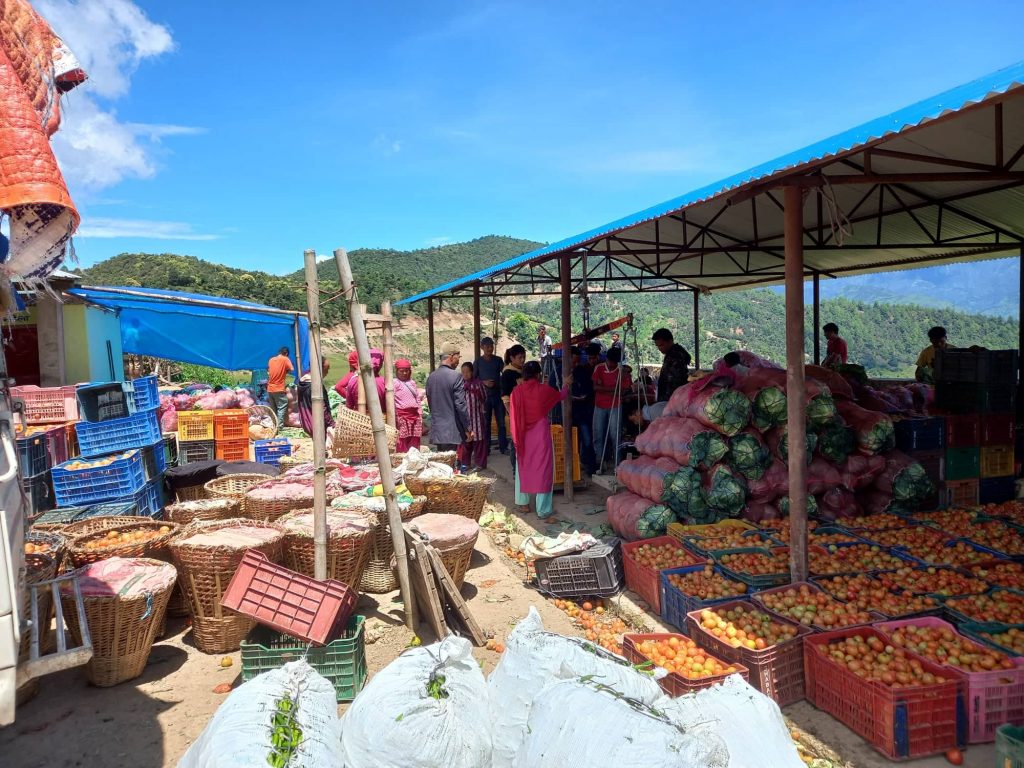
913	435
105	401
118	435
676	604
154	460
124	475
154	501
995	490
271	451
33	458
146	394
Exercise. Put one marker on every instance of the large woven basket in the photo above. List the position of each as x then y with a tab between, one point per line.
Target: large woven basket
122	629
459	495
353	435
79	553
269	510
92	524
204	573
184	512
378	577
234	487
190	493
348	550
455	555
438	457
49	543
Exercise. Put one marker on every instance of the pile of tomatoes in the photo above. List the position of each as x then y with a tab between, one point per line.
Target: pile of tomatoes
745	628
725	538
853	559
706	584
950	553
912	538
32	548
932	581
945	646
1001	574
764	563
1012	510
1012	639
683	657
120	538
868	594
869	658
883	521
813	607
598	625
779	529
659	557
1001	605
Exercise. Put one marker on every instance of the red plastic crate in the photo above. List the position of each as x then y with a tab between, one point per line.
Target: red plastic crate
814	588
998	429
231	424
674	684
232	450
288	601
963	431
990	698
48	405
776	671
645	581
901	723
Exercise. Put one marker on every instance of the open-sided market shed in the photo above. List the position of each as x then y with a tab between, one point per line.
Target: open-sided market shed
936	182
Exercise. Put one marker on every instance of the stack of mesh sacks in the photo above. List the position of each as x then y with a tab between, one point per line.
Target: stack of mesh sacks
721	450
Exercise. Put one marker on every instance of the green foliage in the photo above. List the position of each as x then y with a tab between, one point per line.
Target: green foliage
521	328
212	376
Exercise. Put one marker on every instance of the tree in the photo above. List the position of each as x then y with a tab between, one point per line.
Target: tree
521	328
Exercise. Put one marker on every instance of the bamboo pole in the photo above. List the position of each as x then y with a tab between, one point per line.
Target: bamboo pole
380	439
389	363
319	430
564	273
797	416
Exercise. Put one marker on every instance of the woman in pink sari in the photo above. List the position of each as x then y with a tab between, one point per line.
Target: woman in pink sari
408	407
530	404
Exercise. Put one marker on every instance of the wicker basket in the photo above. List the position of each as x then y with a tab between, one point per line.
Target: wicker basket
204	572
438	457
122	628
57	544
353	435
378	576
80	555
348	548
190	493
459	495
269	510
184	512
234	487
455	550
287	462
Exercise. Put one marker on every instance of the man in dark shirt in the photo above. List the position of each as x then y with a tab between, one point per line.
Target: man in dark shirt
582	392
674	373
487	368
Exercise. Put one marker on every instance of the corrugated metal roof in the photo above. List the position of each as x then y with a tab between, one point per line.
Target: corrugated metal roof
906	130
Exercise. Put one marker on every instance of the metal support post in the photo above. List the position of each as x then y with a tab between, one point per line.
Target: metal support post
797	418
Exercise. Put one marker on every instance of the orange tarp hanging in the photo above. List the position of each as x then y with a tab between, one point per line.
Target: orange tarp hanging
35	68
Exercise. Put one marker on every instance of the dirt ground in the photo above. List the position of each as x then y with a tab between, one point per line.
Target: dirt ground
150	722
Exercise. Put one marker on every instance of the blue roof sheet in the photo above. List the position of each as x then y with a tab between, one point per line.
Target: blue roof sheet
953	100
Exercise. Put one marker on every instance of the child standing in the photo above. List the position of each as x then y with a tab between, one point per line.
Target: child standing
473	453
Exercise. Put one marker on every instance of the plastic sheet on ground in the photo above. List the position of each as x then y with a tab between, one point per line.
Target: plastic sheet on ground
564	544
396	721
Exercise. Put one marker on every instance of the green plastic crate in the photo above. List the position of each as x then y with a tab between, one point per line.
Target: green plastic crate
342	661
1010	747
962	463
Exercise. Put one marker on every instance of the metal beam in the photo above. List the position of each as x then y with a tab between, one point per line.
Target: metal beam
796	424
816	314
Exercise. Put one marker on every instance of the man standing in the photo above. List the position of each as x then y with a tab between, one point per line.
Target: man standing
609	382
582	392
446	396
617	344
278	368
926	360
547	366
674	373
488	369
835	349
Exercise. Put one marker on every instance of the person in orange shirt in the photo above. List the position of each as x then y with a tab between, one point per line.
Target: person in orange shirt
278	368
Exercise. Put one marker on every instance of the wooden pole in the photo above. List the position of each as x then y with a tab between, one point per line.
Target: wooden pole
796	409
696	329
380	439
817	319
389	363
564	273
477	335
319	429
430	333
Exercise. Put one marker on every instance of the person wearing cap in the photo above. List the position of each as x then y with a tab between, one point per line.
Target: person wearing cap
487	369
353	370
408	407
446	396
352	387
674	373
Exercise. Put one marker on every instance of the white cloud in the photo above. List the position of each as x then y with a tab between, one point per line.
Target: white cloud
94	227
433	242
647	161
110	38
386	145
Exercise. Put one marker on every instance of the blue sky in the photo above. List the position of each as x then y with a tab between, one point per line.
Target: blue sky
244	133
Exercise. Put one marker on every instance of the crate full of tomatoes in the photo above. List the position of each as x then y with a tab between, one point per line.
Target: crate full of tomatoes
689	666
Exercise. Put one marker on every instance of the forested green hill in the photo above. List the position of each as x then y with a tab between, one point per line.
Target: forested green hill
885	338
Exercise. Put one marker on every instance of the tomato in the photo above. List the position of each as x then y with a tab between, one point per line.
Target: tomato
955	756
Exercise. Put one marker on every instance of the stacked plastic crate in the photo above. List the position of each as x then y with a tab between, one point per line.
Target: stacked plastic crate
195	437
45	438
231	434
925	441
122	457
978	389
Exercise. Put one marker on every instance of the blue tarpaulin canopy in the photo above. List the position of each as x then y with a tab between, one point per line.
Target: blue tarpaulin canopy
206	330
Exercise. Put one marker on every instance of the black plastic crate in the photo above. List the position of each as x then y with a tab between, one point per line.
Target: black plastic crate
959	365
597	572
171	450
913	435
997	398
1001	367
995	490
200	450
958	397
39	491
33	458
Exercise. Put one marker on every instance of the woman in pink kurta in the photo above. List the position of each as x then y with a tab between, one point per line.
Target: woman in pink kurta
408	407
352	388
530	404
